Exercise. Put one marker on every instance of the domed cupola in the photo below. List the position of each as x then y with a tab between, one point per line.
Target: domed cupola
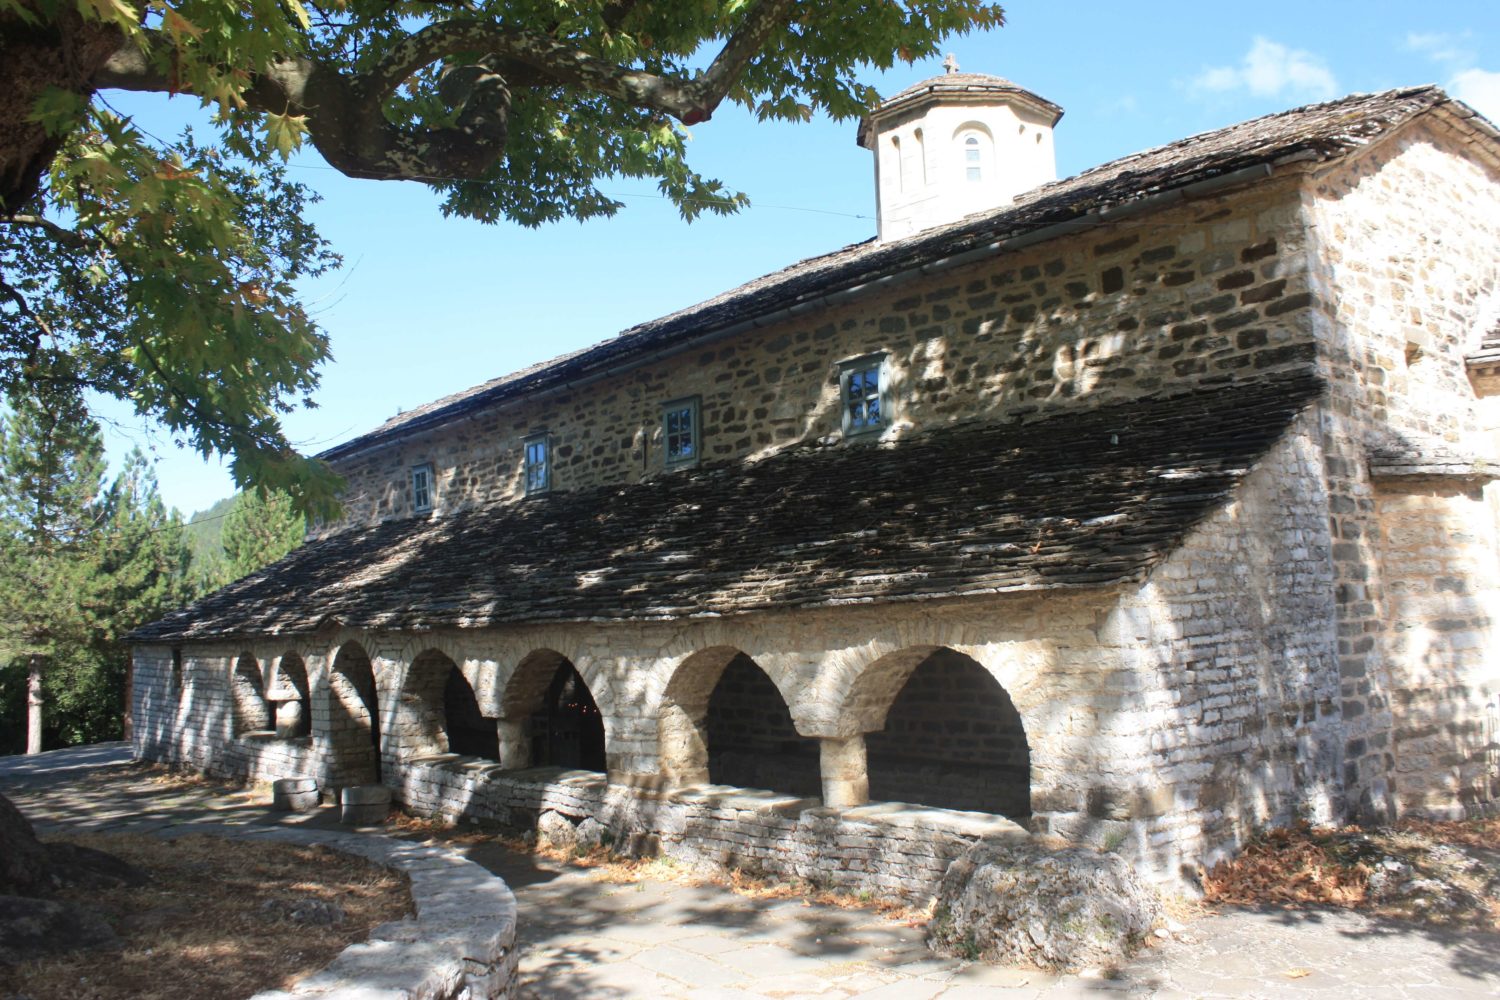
957	144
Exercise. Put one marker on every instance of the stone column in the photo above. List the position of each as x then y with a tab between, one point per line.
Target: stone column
846	774
515	743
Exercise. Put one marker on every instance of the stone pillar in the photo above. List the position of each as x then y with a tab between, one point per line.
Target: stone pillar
515	743
846	774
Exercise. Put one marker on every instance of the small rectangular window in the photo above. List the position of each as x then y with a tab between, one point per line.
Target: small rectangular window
538	466
680	435
862	395
421	488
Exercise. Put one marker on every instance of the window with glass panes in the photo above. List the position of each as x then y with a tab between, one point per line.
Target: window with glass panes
680	432
421	488
973	168
538	468
860	384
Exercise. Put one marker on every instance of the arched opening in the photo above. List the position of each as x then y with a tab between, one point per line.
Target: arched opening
354	717
251	710
562	726
725	722
950	736
288	694
439	713
976	152
469	732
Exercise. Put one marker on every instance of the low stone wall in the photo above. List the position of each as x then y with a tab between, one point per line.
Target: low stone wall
461	943
887	848
264	756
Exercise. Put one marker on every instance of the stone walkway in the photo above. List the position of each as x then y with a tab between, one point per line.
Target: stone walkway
586	939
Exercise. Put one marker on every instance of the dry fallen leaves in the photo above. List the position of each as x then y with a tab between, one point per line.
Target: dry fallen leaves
1332	866
197	929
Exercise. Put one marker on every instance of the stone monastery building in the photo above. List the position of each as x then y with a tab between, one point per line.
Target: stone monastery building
1143	508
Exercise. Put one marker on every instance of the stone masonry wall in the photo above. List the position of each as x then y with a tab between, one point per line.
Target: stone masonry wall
192	723
1407	240
1436	553
1201	293
1231	677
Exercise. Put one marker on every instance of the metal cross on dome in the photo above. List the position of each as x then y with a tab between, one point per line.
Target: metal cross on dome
950	64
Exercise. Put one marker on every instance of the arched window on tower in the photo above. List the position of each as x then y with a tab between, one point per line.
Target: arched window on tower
973	158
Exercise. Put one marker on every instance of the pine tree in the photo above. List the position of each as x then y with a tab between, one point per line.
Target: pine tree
51	507
142	573
259	531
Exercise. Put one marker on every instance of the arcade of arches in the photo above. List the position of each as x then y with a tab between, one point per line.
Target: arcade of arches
935	727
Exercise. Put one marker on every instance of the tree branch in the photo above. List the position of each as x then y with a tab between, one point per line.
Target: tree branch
347	123
60	235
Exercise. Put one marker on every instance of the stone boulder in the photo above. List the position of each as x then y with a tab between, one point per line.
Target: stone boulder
593	834
557	830
1062	909
31	928
29	867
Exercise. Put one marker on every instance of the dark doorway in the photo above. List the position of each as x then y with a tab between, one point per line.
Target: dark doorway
568	730
469	732
952	739
751	740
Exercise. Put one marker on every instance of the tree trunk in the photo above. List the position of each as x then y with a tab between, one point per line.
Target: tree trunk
64	51
34	705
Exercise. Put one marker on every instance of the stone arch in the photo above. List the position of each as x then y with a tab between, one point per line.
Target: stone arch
251	711
684	705
289	694
724	720
353	717
436	711
942	731
550	717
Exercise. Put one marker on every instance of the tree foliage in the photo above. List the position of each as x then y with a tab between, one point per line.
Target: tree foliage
51	491
164	272
258	530
81	564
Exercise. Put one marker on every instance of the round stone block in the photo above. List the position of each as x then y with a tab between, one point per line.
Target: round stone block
294	794
364	805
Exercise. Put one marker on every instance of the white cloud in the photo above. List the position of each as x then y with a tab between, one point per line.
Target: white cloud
1449	48
1480	90
1271	69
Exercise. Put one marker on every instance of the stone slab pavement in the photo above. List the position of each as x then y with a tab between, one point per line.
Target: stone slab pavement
582	938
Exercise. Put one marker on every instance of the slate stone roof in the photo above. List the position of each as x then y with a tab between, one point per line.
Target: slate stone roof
1488	354
1319	132
1392	454
1079	500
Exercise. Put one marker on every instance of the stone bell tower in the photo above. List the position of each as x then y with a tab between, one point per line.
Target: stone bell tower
956	144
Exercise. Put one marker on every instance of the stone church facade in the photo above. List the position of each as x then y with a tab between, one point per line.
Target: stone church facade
1143	508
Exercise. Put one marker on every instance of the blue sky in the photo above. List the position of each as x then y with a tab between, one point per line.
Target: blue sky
425	306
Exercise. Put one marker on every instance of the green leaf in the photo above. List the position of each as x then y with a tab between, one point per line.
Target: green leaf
284	133
58	111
